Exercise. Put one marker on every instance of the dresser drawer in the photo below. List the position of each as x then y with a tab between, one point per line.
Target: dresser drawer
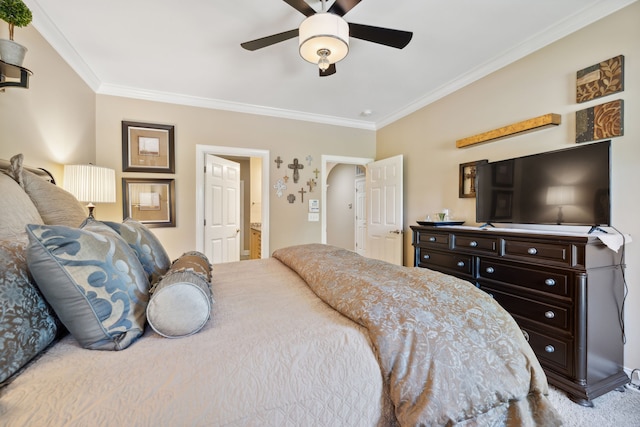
433	239
546	314
549	281
484	245
453	263
550	351
557	253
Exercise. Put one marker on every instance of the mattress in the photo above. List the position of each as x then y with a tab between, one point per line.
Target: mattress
272	354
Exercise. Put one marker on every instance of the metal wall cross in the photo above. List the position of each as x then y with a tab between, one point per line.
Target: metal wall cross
302	194
278	161
296	166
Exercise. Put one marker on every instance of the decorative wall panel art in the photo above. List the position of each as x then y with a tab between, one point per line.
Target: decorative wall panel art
600	80
600	122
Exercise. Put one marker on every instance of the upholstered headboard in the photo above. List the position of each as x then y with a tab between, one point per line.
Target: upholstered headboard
45	174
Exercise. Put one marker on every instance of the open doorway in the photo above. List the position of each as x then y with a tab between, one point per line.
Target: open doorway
256	206
383	201
348	170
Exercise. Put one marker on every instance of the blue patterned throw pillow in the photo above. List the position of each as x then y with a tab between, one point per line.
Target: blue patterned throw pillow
93	281
146	245
27	324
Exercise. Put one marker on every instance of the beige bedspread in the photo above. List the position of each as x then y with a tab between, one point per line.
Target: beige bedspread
273	354
448	352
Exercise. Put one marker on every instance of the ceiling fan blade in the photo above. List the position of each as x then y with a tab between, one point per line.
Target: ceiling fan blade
301	6
341	7
269	40
329	71
385	36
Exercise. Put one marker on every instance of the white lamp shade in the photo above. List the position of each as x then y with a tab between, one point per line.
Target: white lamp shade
324	31
561	195
89	183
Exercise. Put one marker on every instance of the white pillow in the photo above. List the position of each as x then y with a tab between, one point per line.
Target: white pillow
180	303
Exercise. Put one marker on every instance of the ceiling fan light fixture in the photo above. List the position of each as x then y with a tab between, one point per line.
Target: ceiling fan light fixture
324	39
323	62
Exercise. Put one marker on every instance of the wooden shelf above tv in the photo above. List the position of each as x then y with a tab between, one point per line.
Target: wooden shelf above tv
536	123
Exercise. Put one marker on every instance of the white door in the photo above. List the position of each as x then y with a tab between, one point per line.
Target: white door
222	210
361	217
384	210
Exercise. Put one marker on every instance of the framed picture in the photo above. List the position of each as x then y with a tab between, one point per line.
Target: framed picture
503	174
148	147
149	201
501	204
467	187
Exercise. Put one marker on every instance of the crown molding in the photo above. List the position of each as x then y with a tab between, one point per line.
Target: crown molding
216	104
544	38
580	19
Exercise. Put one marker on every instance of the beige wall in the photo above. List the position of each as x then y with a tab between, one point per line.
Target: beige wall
52	122
541	83
288	139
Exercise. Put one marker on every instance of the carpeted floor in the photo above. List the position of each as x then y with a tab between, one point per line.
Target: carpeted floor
614	409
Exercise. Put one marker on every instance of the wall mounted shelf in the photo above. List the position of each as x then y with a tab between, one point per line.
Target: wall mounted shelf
536	123
13	75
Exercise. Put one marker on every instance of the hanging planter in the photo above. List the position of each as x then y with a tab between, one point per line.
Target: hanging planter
16	14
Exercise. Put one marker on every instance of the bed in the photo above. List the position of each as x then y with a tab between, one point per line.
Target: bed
314	335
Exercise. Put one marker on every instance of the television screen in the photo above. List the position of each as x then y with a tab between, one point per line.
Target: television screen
569	187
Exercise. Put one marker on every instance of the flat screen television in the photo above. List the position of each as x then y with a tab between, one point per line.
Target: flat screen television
568	187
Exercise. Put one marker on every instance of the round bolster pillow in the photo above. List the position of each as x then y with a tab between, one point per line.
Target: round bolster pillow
180	303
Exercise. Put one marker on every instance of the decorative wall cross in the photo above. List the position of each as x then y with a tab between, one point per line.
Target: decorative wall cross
311	183
316	172
291	198
296	166
280	187
278	161
302	194
471	176
309	159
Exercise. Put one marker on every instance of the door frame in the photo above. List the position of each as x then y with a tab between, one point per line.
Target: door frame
216	150
324	175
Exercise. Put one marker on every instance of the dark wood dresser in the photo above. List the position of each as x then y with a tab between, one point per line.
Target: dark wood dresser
564	291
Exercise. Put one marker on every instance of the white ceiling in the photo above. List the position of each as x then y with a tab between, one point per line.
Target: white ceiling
189	52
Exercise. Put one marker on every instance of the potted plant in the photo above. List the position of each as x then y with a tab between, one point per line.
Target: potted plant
16	14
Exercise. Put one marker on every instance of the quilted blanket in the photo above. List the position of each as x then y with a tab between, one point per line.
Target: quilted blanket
448	353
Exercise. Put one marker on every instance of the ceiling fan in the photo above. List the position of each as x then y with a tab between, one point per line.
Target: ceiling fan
324	36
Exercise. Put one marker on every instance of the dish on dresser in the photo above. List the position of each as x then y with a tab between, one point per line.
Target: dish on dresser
314	335
440	223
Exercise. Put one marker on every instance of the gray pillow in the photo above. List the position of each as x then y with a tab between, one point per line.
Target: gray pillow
93	281
56	205
16	210
146	245
180	304
27	323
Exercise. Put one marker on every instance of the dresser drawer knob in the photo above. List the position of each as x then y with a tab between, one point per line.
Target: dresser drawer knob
532	251
549	314
473	243
432	239
460	263
526	334
550	282
490	270
549	348
426	256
